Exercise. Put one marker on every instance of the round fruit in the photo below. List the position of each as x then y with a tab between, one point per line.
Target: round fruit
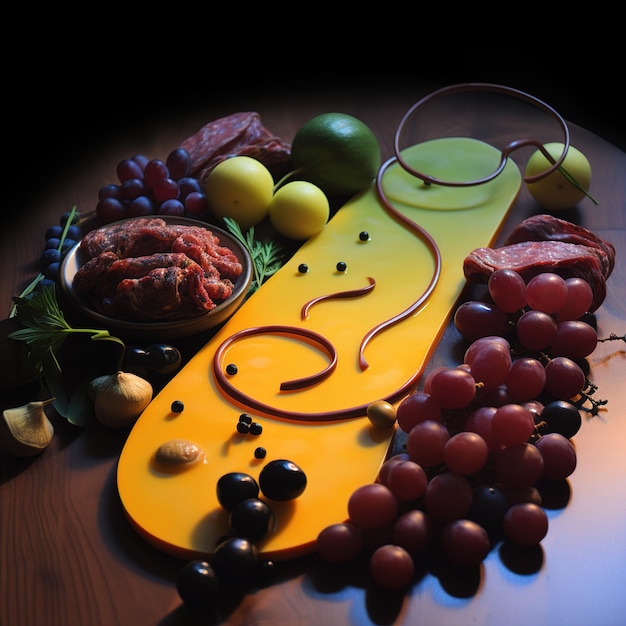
235	562
337	152
299	210
555	192
235	487
282	480
252	519
197	585
240	188
392	567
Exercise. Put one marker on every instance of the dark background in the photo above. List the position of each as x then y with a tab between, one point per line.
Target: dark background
69	88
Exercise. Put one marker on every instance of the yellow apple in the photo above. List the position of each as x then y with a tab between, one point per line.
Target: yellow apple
240	188
299	210
555	192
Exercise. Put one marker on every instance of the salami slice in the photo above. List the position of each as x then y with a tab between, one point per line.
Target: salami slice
239	134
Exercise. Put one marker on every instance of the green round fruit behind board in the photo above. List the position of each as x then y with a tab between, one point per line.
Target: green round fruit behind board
555	192
337	152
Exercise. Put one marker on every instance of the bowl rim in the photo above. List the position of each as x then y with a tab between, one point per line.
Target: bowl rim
181	327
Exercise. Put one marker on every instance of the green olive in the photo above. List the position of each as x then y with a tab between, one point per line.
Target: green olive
381	414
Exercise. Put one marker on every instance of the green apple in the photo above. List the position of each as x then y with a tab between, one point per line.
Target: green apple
555	192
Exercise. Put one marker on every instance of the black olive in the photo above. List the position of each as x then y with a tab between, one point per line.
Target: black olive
252	519
163	358
282	480
561	417
136	355
197	585
235	562
235	487
489	504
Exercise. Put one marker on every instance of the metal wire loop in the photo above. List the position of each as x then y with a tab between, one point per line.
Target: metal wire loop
505	152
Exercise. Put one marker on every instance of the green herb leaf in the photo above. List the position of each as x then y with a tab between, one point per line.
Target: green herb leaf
45	330
267	256
80	411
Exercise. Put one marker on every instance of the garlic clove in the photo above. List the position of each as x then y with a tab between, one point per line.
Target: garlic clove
178	452
121	398
26	430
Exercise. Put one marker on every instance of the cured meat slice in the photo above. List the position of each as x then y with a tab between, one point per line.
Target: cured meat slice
550	228
239	134
530	258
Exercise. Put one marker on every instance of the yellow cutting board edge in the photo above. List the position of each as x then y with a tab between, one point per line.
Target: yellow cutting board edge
177	510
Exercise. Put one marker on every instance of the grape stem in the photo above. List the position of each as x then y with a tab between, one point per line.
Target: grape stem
585	396
613	337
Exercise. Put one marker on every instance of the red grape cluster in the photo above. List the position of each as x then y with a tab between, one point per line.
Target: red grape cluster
479	437
153	187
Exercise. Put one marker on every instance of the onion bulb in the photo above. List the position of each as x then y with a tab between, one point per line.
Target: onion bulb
121	398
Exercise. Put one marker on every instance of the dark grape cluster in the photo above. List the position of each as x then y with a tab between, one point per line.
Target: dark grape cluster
153	187
480	438
57	245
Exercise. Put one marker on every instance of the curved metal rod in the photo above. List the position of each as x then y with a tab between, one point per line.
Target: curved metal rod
514	145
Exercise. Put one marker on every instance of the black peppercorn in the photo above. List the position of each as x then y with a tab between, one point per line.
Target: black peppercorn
177	406
231	369
341	266
245	417
243	428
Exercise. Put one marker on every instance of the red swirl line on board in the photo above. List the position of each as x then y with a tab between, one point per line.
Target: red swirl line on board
352	293
261	407
432	246
289	385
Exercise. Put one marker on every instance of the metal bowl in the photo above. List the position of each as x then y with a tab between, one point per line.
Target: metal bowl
166	329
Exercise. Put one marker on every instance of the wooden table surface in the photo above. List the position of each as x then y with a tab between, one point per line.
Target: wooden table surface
68	556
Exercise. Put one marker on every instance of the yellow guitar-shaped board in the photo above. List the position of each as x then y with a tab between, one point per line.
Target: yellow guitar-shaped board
291	330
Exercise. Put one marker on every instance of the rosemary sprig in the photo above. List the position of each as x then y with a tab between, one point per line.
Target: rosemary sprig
267	256
570	177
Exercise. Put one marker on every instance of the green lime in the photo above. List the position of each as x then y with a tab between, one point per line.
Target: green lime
337	152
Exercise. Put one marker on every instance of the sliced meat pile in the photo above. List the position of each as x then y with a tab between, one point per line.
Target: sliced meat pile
544	243
239	134
148	270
